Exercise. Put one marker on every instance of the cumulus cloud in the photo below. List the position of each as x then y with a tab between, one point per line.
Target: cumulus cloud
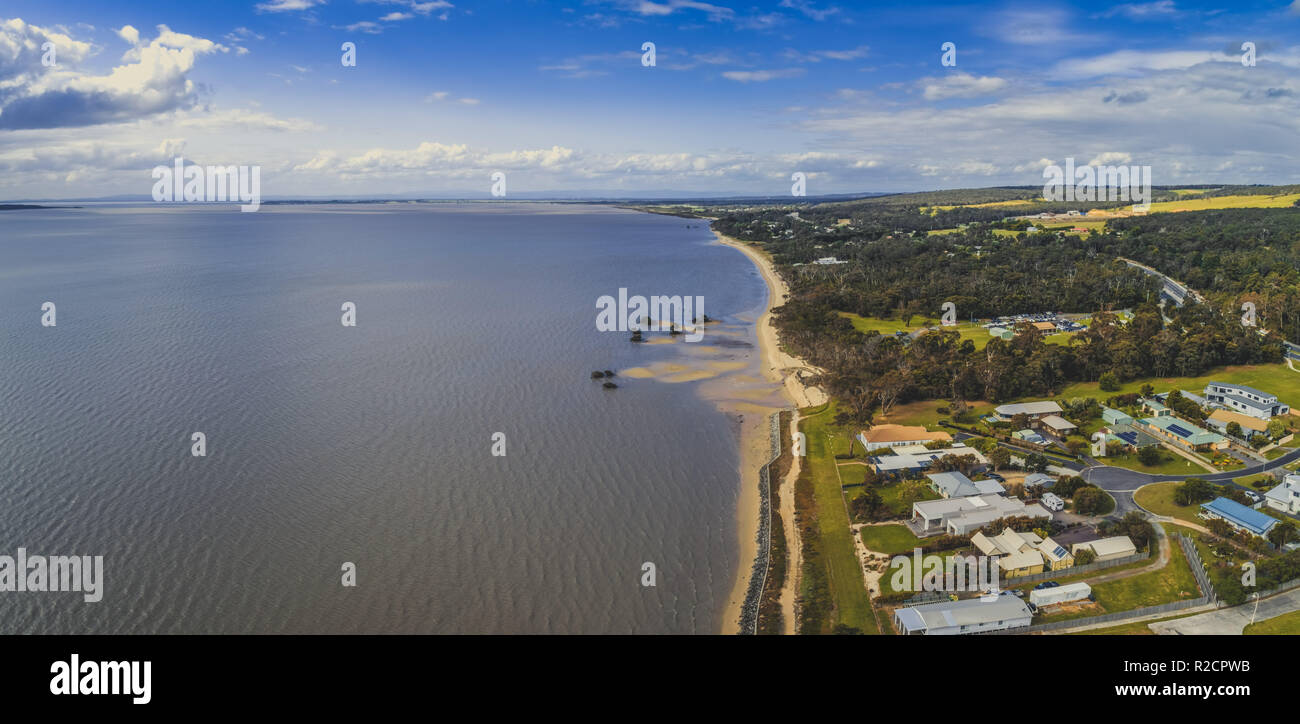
153	78
960	85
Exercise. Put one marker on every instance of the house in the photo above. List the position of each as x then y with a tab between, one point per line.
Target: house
1130	437
890	435
1250	426
970	615
1057	426
956	485
1047	327
1107	549
1022	563
1005	543
1182	433
1155	408
1285	497
1053	502
1238	516
1055	555
1039	480
915	458
1033	410
1060	594
1246	400
1115	417
960	516
1029	436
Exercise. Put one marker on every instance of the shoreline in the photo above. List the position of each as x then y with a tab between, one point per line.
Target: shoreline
781	369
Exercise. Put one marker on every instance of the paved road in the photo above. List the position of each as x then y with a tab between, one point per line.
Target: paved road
1230	621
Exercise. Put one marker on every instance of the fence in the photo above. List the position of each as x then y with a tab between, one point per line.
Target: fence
1072	570
1198	568
762	559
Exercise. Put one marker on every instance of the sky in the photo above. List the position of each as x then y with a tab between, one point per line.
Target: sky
559	96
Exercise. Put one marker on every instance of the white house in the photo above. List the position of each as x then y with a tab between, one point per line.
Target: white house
1246	400
1285	497
1034	410
1060	594
970	615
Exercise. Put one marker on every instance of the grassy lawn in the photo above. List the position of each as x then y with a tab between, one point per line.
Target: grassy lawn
848	591
890	539
1274	378
1288	624
968	330
926	413
1159	499
1174	582
1226	202
1264	479
1171	464
1277	452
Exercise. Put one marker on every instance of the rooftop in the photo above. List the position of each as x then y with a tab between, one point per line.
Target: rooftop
1234	512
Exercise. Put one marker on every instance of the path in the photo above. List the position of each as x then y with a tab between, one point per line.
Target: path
1231	621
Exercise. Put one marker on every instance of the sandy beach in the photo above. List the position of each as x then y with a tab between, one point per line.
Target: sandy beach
782	371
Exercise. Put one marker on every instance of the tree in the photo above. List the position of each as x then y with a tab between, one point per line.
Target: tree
1192	491
1150	455
910	491
1000	457
1147	390
1139	530
1234	429
1036	462
1109	382
1282	533
1084	557
1090	500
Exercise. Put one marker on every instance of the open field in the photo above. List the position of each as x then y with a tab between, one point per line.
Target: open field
1274	378
1225	202
1171	464
1159	499
844	573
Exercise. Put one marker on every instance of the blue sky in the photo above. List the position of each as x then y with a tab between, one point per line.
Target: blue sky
555	94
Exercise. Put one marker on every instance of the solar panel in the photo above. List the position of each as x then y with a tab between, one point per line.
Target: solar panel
1179	430
1059	552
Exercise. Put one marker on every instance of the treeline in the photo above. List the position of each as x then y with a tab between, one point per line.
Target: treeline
902	275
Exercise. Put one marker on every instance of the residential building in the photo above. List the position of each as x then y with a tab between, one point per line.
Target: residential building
1005	543
1285	497
1246	400
1053	502
1060	594
1034	410
1238	516
1057	426
956	485
1038	481
1107	549
1250	426
880	436
961	516
1029	436
1022	563
1155	408
1115	417
1055	555
915	458
970	615
1182	433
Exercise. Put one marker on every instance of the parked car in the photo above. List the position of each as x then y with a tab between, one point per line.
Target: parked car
1046	584
1020	592
996	477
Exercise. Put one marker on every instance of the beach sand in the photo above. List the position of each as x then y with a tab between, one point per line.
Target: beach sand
753	401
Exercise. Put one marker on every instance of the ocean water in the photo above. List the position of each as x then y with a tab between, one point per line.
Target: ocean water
369	444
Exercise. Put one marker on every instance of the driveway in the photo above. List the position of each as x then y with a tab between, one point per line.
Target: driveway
1230	621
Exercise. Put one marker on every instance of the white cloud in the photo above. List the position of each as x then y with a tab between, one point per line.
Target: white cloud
960	85
761	76
280	6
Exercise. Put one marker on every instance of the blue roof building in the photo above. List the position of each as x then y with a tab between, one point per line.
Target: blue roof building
1238	516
